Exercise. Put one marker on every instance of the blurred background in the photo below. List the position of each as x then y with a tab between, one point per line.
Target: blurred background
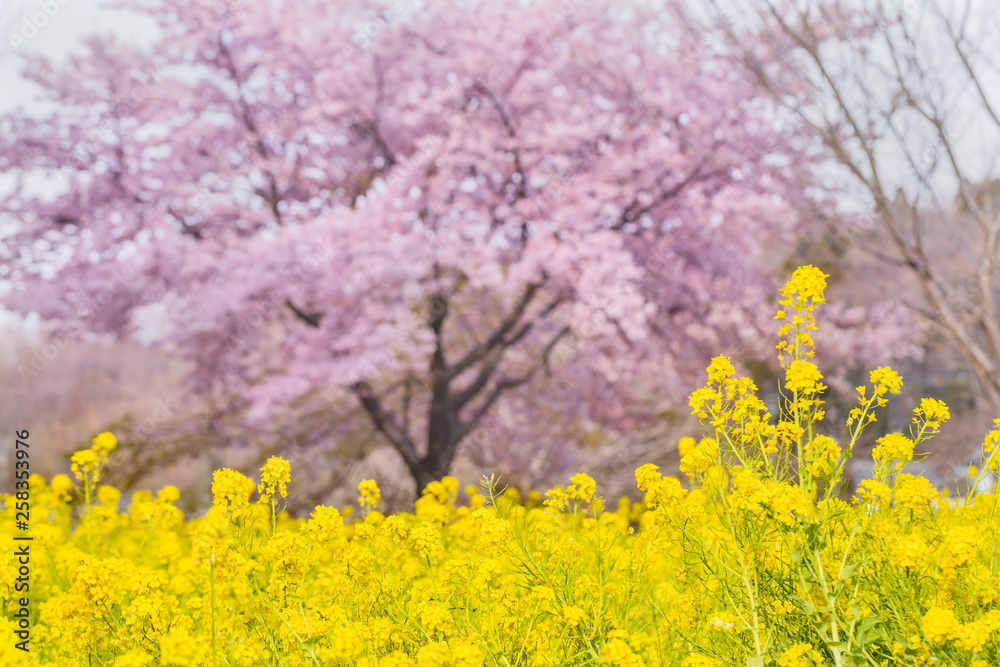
405	239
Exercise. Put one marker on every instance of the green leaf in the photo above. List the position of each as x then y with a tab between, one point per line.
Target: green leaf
755	661
868	623
867	634
807	607
848	571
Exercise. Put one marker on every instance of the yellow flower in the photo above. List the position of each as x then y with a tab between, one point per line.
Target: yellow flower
662	492
885	380
914	493
108	496
135	657
435	620
86	465
396	659
274	477
571	615
231	491
370	494
822	454
701	458
720	370
932	411
806	284
466	652
721	622
992	438
169	494
434	505
785	501
342	646
582	487
104	444
179	649
803	376
973	636
787	432
325	524
748	493
62	485
939	625
874	492
617	652
434	654
700	400
556	499
893	447
646	475
909	552
960	546
424	539
800	655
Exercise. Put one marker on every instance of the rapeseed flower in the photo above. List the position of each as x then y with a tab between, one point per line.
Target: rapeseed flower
86	465
752	560
800	655
803	376
933	412
939	625
370	494
274	478
104	444
893	447
914	493
960	547
231	491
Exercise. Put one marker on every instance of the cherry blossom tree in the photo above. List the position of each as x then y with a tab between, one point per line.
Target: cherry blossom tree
435	214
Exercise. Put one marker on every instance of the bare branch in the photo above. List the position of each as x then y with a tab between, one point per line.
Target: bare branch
506	384
312	319
497	337
385	422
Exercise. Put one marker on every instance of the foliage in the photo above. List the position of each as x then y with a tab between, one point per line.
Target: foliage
759	563
485	207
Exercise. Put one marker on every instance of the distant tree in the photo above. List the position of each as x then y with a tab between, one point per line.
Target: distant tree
435	213
903	97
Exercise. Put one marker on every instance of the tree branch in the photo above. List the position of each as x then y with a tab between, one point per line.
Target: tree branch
312	319
385	422
497	338
503	385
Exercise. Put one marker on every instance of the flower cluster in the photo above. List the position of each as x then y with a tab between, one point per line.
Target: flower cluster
86	463
799	298
370	493
756	560
274	477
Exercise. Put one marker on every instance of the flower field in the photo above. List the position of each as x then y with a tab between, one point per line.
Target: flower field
759	558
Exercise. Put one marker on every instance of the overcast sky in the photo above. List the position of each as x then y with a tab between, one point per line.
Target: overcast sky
53	36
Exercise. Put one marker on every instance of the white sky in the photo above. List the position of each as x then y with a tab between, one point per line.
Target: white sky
56	38
59	34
